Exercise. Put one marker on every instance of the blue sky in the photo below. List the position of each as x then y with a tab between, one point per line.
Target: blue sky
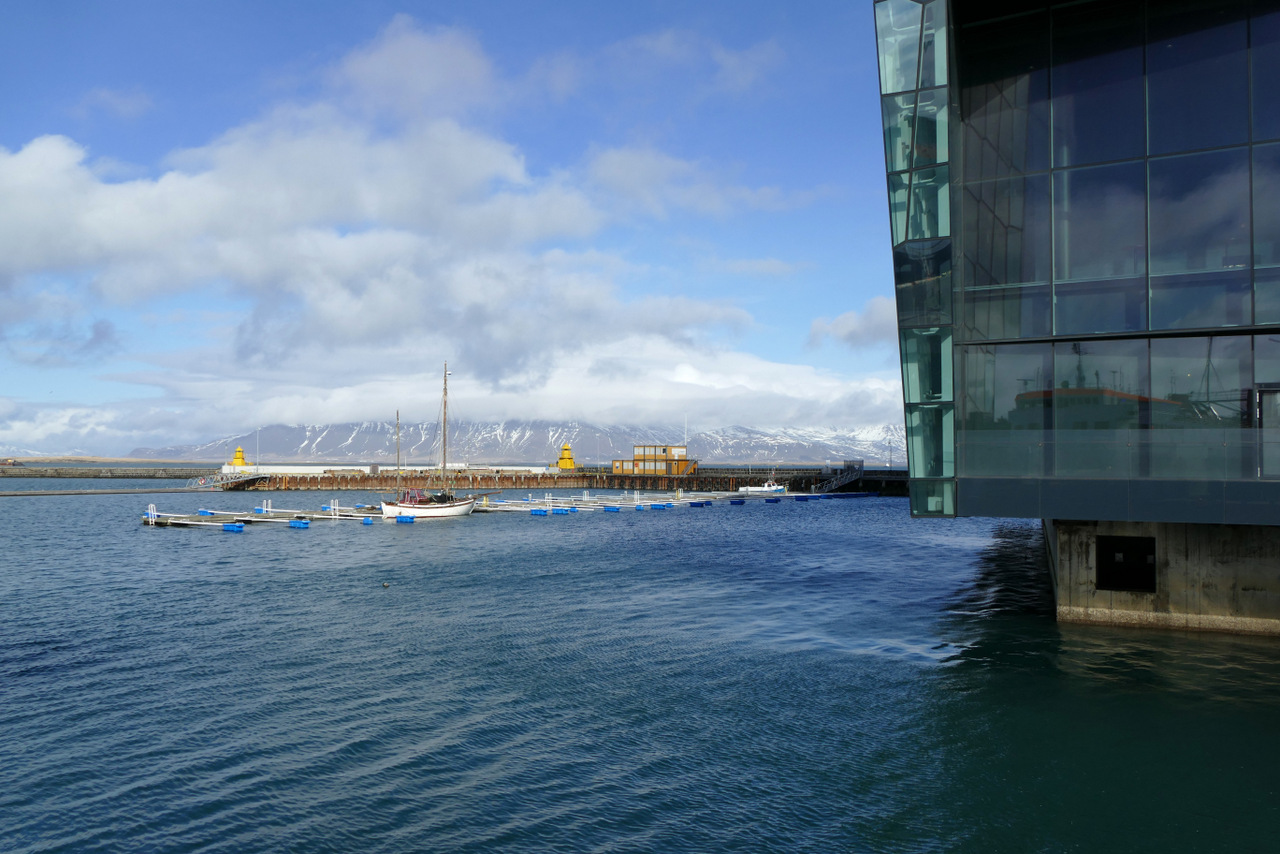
219	216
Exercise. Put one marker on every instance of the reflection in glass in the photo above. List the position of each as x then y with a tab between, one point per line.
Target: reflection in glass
1264	47
926	365
1111	305
1197	75
1266	360
1007	410
1012	312
1004	99
1266	295
898	192
931	129
930	214
1199	300
1006	231
933	53
1266	205
931	441
899	117
1198	219
1099	96
933	497
922	273
1201	385
1100	222
898	44
1101	397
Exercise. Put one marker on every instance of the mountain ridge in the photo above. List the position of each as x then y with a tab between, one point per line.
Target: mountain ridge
540	442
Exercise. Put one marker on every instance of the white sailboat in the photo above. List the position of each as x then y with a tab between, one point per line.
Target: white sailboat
422	503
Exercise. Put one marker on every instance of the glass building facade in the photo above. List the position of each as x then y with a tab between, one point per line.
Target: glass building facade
1084	203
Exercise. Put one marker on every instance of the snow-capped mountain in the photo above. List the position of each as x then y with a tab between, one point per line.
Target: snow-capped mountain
540	442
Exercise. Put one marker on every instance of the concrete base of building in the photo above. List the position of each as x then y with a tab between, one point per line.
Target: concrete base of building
1222	578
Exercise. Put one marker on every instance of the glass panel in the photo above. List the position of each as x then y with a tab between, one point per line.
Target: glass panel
930	214
931	441
1266	361
899	115
1015	312
1100	222
1266	295
926	365
1200	384
1005	96
922	273
1101	398
1200	300
1264	37
932	497
1199	219
1007	410
1266	205
931	129
933	59
898	43
1007	231
1099	99
898	189
1197	75
1111	305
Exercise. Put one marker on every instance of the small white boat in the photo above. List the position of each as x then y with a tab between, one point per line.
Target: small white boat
429	505
769	486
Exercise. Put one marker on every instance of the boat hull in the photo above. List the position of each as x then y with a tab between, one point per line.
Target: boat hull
441	510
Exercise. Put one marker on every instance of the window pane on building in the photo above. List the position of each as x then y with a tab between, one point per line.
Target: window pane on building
1006	410
1110	305
930	214
1008	312
931	441
1197	75
922	275
1004	96
926	365
1264	38
1266	295
931	141
1201	401
1198	218
1101	399
1266	205
899	117
933	45
1201	300
898	34
1099	96
1100	222
898	193
1007	231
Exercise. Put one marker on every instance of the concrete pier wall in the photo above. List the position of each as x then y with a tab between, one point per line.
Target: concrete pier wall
1197	577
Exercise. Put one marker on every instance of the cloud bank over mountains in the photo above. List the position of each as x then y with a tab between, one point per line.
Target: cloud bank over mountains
320	262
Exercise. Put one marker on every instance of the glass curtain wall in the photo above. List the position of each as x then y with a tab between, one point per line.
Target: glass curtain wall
1116	173
912	47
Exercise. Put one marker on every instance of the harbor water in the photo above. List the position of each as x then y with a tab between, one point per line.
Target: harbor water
813	676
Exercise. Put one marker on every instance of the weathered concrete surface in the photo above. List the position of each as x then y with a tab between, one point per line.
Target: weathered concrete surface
1208	577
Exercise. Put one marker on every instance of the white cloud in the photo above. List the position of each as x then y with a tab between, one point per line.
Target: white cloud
876	324
741	71
364	252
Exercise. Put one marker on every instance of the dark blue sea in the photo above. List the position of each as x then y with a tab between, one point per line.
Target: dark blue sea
825	676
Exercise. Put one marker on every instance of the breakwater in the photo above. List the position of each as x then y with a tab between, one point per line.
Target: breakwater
161	473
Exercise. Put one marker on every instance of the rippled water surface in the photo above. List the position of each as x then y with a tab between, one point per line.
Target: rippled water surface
818	676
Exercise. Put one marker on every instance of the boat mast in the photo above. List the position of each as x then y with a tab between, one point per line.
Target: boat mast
444	430
397	455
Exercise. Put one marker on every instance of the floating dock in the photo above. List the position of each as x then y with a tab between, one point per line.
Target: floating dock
546	505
